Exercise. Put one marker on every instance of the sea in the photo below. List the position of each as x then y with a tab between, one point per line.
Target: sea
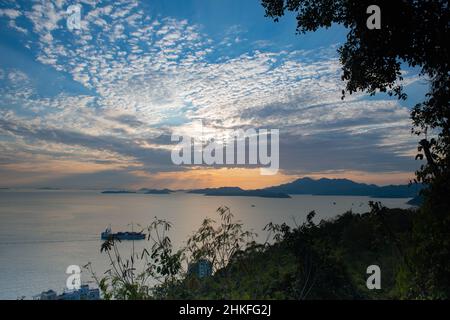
42	232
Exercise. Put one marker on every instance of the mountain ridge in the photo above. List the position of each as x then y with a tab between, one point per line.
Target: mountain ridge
322	186
305	185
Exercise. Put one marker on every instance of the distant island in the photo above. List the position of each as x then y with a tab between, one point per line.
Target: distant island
309	186
117	191
155	191
323	186
416	201
236	191
140	191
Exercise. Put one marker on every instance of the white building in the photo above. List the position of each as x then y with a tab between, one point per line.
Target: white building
84	293
48	295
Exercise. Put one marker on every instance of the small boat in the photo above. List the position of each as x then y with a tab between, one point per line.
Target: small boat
127	235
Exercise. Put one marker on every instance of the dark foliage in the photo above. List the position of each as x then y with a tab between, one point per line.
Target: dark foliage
327	260
413	33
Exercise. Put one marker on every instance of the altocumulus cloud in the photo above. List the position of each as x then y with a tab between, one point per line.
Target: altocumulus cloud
145	75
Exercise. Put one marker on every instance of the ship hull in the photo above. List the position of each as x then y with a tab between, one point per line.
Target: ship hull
123	236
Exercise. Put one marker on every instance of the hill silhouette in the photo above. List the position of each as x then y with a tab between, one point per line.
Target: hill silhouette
323	186
346	187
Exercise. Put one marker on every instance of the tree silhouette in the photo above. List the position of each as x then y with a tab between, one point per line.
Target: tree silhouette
413	33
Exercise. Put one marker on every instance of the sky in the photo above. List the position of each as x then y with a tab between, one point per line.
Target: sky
96	107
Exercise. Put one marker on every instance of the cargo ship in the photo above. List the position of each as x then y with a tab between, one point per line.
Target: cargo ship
127	235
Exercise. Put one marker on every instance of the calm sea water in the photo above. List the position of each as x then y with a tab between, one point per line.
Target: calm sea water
43	232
